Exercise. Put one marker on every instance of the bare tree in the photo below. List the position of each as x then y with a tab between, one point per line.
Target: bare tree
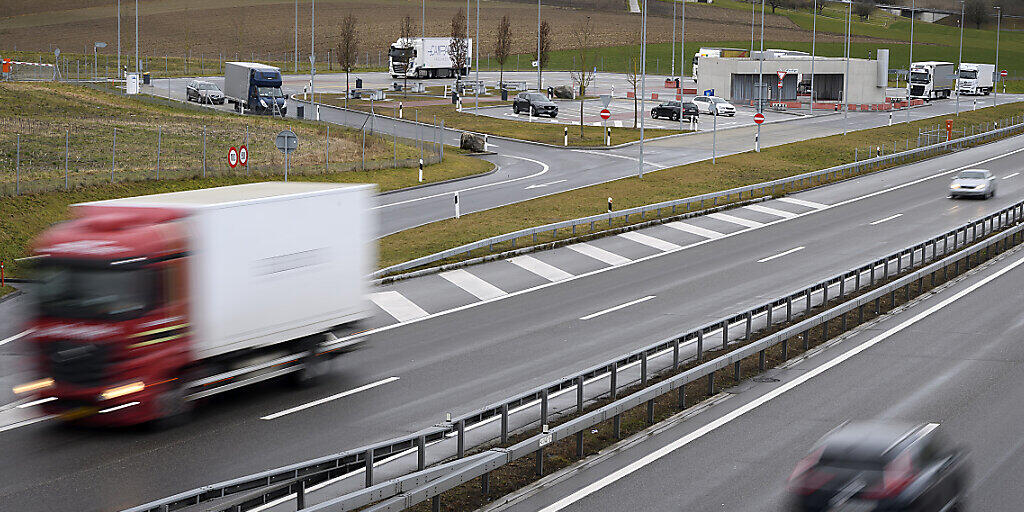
775	4
458	49
545	50
348	48
406	29
633	78
976	12
864	8
502	46
583	72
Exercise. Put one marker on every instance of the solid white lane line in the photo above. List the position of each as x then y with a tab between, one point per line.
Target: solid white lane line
802	202
16	336
767	397
736	220
549	272
1008	176
324	400
771	211
472	284
616	308
396	305
26	423
36	402
695	230
599	254
891	217
781	254
649	241
544	169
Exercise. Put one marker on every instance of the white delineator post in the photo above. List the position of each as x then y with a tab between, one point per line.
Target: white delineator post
421	170
457	205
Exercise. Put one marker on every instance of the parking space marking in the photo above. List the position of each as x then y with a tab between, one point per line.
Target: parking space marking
599	254
771	211
398	306
695	230
549	272
802	202
736	220
472	284
649	241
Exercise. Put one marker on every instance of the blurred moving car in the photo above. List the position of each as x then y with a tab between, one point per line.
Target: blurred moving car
670	110
973	183
203	92
880	466
535	103
714	105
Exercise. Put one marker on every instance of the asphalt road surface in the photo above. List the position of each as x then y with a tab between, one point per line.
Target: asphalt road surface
953	359
479	350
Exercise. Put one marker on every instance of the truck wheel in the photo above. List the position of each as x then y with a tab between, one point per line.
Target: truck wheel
237	107
172	405
314	366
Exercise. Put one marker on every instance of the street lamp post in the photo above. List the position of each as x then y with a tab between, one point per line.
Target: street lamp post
118	38
846	77
539	85
296	53
960	58
312	60
95	60
995	89
910	64
476	62
673	73
137	36
643	85
760	84
814	39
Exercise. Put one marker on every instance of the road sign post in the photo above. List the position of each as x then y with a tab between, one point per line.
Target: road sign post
758	118
287	142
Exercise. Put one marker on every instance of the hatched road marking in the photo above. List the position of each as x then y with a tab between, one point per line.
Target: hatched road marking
736	220
549	272
801	202
396	305
472	284
695	230
649	241
599	254
771	211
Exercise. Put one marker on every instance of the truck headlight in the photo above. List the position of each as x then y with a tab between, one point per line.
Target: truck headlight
122	390
35	385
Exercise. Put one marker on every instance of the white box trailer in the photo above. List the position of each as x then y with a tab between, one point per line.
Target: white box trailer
976	78
428	57
931	79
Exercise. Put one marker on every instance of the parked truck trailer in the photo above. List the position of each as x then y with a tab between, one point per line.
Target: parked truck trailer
254	87
426	57
149	303
930	80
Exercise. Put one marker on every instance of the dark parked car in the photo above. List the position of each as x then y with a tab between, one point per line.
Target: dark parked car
535	103
203	92
670	110
880	466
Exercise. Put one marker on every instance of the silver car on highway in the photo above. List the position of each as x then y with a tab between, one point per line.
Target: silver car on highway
973	183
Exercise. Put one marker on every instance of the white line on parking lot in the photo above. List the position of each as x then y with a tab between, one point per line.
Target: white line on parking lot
616	308
324	400
1008	176
891	217
781	254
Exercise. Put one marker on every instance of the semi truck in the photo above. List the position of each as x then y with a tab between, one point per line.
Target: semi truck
426	57
254	87
932	79
718	52
147	304
976	79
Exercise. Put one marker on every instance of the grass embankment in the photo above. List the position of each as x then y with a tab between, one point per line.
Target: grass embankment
47	115
677	182
540	131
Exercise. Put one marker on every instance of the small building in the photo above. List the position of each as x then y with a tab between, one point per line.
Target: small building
736	79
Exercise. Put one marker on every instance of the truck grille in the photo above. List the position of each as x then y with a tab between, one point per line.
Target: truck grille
917	90
81	364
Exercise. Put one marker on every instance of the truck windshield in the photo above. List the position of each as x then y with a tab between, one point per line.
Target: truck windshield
82	292
269	92
965	73
919	77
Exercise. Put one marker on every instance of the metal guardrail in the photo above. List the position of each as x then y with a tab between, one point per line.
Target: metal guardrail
332	466
696	203
490	460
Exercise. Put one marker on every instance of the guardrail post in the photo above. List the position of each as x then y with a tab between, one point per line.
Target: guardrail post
807	296
807	339
856	280
650	412
885	268
789	308
300	495
711	383
899	262
824	294
682	396
750	320
421	453
878	305
700	345
768	316
860	313
579	410
544	424
736	372
613	393
785	349
368	459
462	438
873	265
675	354
725	334
435	504
504	423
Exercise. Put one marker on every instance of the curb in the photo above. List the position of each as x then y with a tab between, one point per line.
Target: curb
9	296
494	169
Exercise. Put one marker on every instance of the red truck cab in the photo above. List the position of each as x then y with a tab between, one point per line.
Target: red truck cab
112	331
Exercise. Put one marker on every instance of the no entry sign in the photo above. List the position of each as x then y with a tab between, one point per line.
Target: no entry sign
605	114
1003	73
243	156
758	118
232	157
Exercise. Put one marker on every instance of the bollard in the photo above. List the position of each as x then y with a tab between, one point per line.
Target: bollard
608	136
421	170
609	205
456	204
565	135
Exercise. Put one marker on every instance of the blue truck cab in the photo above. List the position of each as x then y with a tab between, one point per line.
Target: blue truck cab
256	87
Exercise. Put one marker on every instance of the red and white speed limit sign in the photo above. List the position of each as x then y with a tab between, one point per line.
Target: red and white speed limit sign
232	157
243	156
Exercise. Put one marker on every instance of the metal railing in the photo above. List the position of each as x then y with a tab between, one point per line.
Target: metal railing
640	366
1011	126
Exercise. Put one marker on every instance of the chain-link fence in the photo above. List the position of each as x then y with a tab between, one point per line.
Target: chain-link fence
38	157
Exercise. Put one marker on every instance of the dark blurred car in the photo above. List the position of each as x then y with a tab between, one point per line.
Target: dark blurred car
535	103
670	110
880	467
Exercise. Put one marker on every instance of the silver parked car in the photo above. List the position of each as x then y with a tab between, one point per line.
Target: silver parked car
203	92
973	183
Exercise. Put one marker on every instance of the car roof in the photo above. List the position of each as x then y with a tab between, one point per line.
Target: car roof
872	440
986	171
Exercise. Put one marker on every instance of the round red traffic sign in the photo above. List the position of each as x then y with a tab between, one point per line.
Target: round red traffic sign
1003	73
758	118
605	114
243	155
232	157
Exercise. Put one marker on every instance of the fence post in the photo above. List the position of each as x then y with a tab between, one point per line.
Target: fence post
204	151
246	146
113	152
67	137
17	169
362	166
159	140
327	151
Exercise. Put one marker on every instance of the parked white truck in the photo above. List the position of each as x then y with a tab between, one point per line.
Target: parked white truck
426	57
976	79
148	303
930	80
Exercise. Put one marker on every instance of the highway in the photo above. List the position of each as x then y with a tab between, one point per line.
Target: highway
954	359
471	351
523	166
